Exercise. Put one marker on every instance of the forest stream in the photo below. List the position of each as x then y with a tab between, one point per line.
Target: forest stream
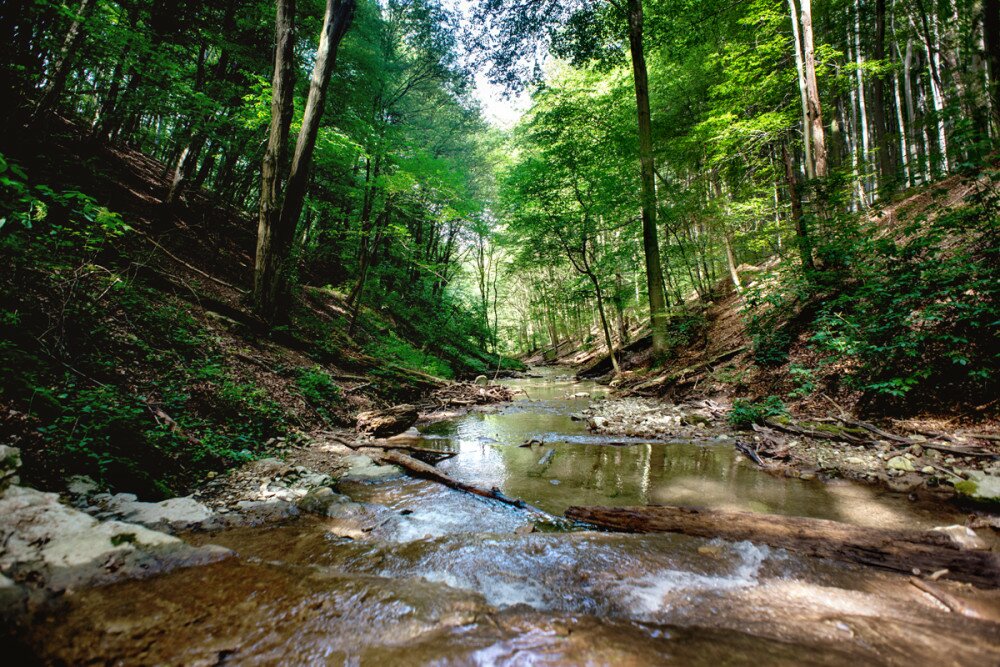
456	579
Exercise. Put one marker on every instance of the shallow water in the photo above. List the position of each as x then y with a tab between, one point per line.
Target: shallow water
585	469
449	578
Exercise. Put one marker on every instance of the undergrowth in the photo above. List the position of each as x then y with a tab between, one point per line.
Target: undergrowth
905	314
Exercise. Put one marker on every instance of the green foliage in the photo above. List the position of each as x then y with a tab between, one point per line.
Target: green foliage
320	391
687	326
389	347
64	222
919	309
805	380
745	413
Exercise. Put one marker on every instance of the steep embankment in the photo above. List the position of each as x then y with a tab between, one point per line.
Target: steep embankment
898	321
127	348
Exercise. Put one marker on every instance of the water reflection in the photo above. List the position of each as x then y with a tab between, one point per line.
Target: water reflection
587	469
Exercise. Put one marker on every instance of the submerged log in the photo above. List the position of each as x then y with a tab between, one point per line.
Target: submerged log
896	550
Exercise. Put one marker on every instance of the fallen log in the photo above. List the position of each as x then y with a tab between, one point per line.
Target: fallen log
391	421
896	550
426	471
425	452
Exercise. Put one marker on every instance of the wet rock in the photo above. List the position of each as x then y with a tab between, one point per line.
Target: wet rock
900	463
55	547
928	470
172	515
358	521
362	468
963	536
251	513
384	423
598	423
319	500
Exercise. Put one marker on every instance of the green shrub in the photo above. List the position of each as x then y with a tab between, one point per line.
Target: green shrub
745	413
319	390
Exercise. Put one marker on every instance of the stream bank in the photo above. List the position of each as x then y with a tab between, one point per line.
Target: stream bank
373	565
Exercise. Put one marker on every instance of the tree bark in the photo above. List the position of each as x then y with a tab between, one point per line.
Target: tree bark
812	93
275	156
650	240
801	231
276	233
803	94
895	550
879	118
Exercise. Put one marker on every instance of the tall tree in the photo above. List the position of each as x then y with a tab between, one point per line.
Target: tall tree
280	211
815	109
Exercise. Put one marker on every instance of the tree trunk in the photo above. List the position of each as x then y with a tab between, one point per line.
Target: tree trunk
731	263
884	148
650	241
801	232
812	93
277	228
894	550
604	321
865	156
803	94
60	69
282	92
991	39
928	30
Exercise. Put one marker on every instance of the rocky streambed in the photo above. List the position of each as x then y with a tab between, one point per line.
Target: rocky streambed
323	555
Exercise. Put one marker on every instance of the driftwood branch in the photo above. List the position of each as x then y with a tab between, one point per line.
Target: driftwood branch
896	550
953	603
425	471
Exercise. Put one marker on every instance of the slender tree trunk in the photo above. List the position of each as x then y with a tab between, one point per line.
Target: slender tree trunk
731	263
61	68
268	259
929	32
862	105
812	92
991	40
275	243
854	135
604	320
803	93
650	241
801	232
883	146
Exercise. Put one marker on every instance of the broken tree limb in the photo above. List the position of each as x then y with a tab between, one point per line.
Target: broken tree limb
894	550
436	454
749	452
425	471
953	603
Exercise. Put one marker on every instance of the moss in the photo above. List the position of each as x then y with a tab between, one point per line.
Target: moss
123	538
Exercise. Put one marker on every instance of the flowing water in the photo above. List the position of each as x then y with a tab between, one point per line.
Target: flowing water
449	578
